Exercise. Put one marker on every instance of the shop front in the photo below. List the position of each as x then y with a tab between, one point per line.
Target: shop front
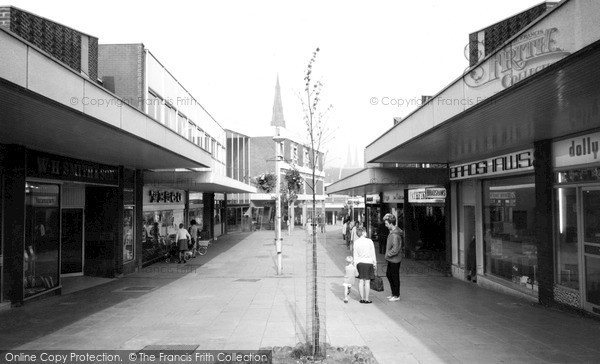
65	222
493	222
163	211
577	221
425	222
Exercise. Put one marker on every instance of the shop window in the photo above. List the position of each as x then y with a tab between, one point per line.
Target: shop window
509	230
567	251
128	234
42	236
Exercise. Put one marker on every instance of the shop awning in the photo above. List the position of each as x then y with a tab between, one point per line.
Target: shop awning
375	180
205	181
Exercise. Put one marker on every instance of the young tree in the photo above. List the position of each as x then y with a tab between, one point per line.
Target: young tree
314	118
290	187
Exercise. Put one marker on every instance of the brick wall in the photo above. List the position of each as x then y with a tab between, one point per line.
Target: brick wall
120	66
497	34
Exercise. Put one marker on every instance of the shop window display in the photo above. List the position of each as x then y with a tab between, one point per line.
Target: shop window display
128	235
42	232
567	252
509	230
159	235
591	247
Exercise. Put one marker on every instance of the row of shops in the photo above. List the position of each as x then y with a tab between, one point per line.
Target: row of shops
521	162
65	216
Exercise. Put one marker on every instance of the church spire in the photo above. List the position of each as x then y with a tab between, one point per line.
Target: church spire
277	108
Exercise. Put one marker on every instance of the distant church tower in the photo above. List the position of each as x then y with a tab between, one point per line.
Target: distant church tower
277	119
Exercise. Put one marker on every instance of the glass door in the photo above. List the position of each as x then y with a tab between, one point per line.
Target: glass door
72	242
591	248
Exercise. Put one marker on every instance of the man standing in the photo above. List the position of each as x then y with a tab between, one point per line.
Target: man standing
393	255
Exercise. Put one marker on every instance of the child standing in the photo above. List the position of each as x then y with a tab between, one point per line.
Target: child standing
349	278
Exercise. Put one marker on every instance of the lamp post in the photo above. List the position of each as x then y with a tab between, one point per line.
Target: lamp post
278	139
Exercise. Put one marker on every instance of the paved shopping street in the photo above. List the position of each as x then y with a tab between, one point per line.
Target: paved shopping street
232	299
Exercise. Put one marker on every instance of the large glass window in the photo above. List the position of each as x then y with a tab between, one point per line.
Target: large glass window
509	230
567	252
42	236
591	244
128	235
2	273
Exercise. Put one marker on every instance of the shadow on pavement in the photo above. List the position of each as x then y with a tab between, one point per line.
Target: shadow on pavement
20	325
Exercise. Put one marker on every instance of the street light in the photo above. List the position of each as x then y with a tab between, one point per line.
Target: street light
278	139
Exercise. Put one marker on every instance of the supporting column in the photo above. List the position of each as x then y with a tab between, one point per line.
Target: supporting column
409	234
14	222
208	206
543	219
448	224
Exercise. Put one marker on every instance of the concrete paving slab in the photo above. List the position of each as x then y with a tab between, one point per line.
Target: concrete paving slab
232	299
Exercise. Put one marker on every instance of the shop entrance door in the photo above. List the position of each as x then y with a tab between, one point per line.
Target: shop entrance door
591	249
71	263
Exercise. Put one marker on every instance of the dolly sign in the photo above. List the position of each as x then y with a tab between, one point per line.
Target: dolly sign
576	151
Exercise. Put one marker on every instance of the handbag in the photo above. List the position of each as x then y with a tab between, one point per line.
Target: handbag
377	284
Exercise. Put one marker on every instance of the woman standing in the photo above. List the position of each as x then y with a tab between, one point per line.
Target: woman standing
182	238
366	263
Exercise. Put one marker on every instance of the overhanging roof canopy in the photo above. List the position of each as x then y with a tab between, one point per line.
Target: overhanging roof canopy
45	105
543	83
197	182
375	180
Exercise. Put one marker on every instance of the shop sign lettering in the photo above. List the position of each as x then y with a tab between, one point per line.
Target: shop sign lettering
157	196
575	151
420	195
525	56
393	197
435	192
47	166
514	162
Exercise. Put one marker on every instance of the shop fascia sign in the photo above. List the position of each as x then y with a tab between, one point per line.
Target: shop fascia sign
393	196
164	196
372	199
530	53
504	164
427	195
575	151
43	165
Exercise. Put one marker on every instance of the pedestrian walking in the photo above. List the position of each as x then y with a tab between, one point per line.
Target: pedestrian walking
366	264
349	277
182	238
194	233
393	255
349	227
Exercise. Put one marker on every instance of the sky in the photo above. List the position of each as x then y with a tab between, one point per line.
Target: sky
376	59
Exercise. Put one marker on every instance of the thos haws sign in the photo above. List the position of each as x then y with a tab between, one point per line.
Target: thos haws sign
576	151
504	164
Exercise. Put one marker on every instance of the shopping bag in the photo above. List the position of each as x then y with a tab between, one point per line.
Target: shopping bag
377	284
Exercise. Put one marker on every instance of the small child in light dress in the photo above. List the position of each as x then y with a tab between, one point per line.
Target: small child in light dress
350	277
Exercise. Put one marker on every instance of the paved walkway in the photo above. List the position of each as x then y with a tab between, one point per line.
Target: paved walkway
232	299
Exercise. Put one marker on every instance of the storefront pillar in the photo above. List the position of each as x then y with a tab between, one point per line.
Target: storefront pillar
14	222
543	219
448	224
208	223
410	235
